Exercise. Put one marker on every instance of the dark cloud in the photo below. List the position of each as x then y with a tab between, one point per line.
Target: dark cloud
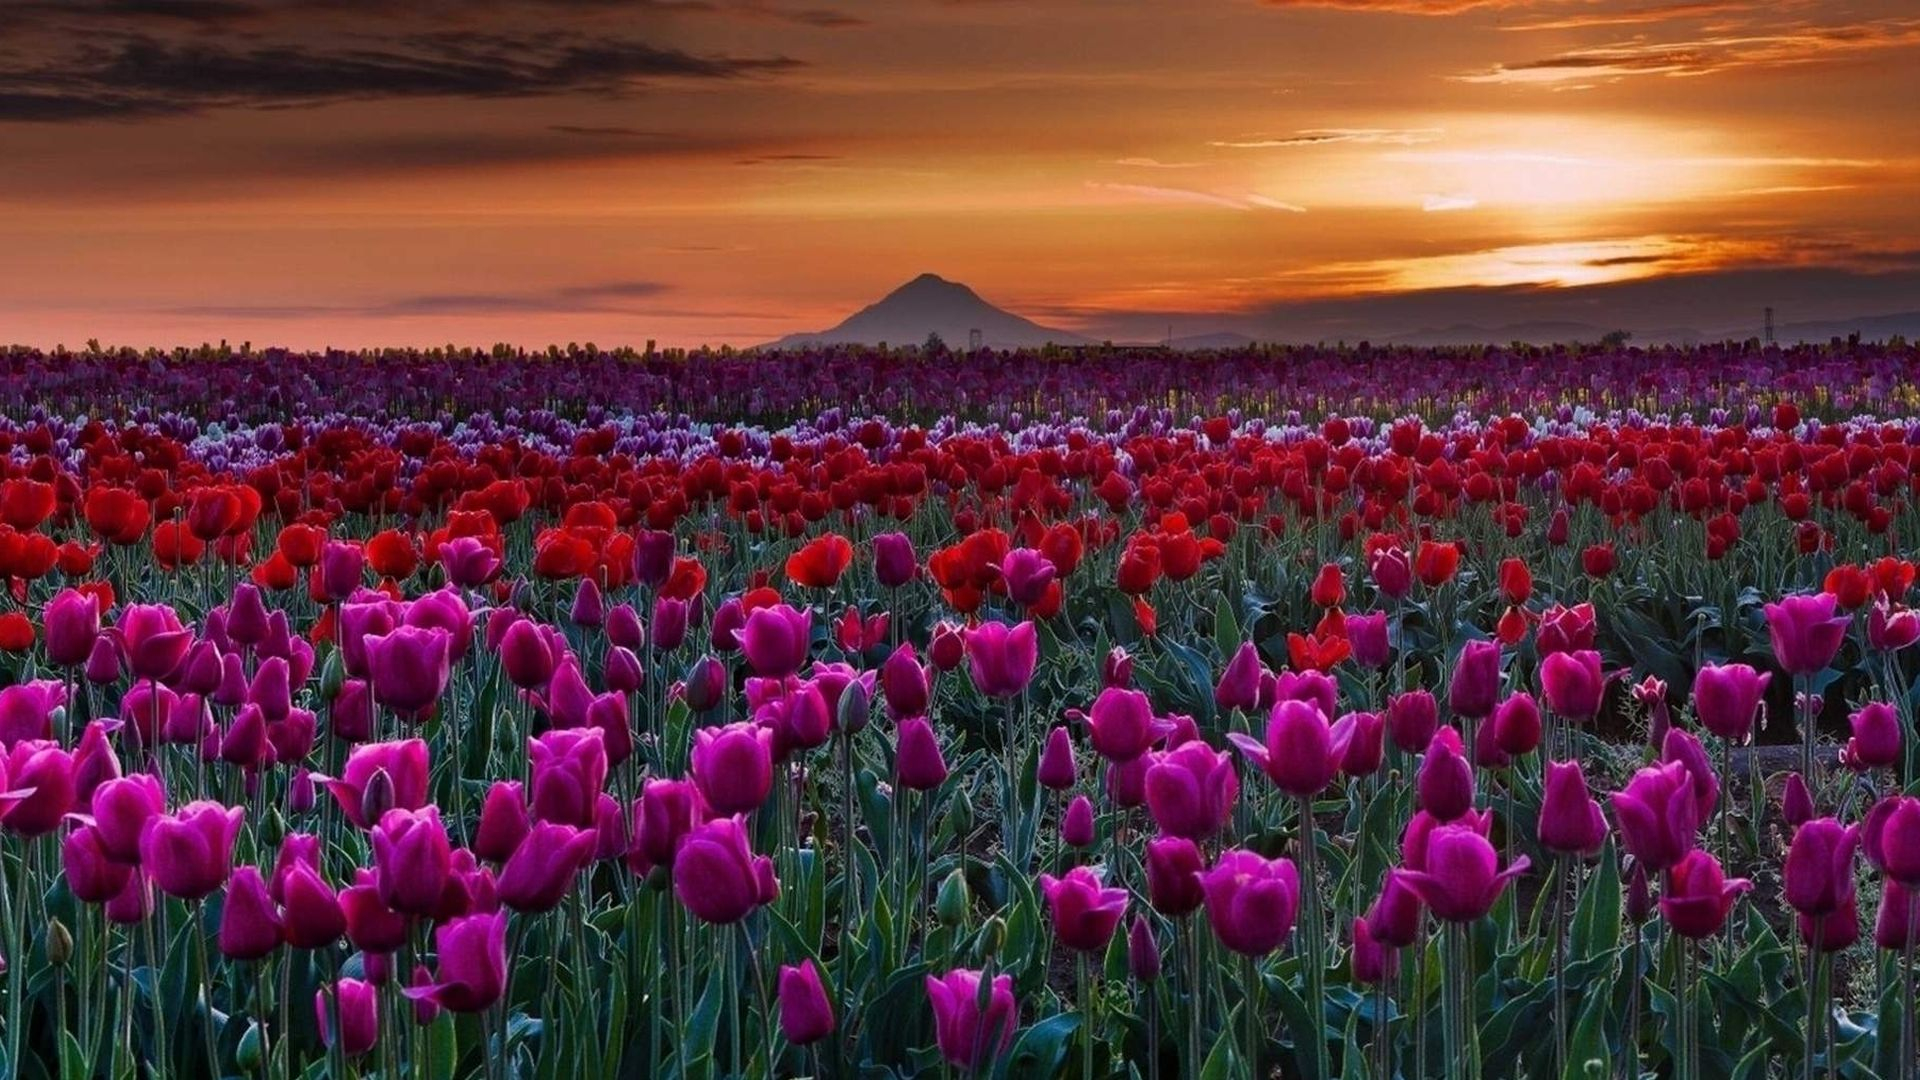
146	75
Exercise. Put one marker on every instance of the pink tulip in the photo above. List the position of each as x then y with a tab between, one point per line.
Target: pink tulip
1573	684
775	639
806	1012
249	921
733	766
918	763
1876	737
358	1006
542	871
1570	819
1891	837
1474	688
1657	815
1085	914
1445	780
568	767
402	765
412	856
1251	901
1057	770
1462	878
1173	876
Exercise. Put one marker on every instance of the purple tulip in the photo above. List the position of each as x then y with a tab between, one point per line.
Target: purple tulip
472	951
1251	901
1698	896
1191	790
1474	688
1657	815
1298	753
717	876
1000	658
1462	879
1570	819
733	766
188	854
1805	632
806	1012
917	759
542	870
776	639
969	1033
1727	697
1085	913
1173	876
1573	684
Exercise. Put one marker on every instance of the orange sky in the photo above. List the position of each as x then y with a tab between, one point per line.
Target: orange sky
313	172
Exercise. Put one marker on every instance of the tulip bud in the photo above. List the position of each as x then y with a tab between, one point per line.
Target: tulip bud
1076	828
377	797
59	943
1796	802
855	708
1143	951
950	903
1057	770
993	937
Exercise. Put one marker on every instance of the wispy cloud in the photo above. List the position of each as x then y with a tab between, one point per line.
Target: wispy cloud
1797	46
1439	204
1657	13
1326	136
599	297
1198	198
1398	7
1154	163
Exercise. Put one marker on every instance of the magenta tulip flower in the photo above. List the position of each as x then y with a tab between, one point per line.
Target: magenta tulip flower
1239	685
359	1009
1727	697
413	857
733	766
918	763
1057	770
249	921
542	871
806	1011
1657	815
1876	737
92	875
1121	725
1462	878
472	951
152	640
1573	684
568	769
904	683
665	813
1251	901
1891	836
1475	687
1819	867
409	667
188	854
1085	913
894	563
1174	864
39	776
969	1034
1001	658
717	876
1367	634
1412	718
402	766
1298	753
1570	819
1697	896
1394	919
1076	825
1805	631
121	809
776	640
1191	790
26	710
72	623
1445	780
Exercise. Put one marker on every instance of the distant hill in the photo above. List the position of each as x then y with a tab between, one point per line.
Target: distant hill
932	304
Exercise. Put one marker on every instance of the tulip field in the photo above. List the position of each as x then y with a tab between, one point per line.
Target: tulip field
1304	712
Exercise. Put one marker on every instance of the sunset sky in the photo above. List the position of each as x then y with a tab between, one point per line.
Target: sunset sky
352	172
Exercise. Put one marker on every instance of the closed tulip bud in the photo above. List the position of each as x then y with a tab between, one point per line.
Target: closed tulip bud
1727	697
1461	879
1445	780
854	710
806	1013
72	622
376	798
1026	574
1057	770
1368	636
59	943
1143	952
1076	826
1698	896
948	647
249	922
1570	820
1475	687
1191	790
973	1025
717	876
472	953
1085	913
1359	741
1891	836
189	853
542	871
1239	685
733	766
917	759
103	662
1412	719
894	563
1116	669
526	654
705	684
623	674
1516	725
1876	737
413	857
1173	876
589	607
310	909
653	556
342	568
1251	901
504	822
952	899
1796	801
358	1008
1001	659
904	683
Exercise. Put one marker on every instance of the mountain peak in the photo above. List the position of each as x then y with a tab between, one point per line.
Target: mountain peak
931	304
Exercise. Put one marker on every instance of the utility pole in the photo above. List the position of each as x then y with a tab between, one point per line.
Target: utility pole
1769	331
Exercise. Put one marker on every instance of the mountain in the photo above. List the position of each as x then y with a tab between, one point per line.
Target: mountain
932	304
1870	328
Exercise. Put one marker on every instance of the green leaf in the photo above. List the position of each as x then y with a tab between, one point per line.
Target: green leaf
1043	1047
1223	1061
1226	628
1588	1043
1596	919
442	1047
